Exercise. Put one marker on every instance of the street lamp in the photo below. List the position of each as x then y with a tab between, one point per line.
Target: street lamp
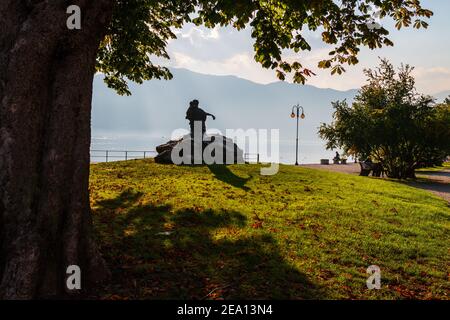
297	115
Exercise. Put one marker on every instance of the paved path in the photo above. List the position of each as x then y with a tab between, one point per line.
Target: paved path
438	182
352	168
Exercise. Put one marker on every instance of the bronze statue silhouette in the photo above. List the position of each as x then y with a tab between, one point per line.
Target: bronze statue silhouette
190	149
194	113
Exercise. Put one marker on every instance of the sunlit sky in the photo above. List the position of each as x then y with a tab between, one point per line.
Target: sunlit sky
225	51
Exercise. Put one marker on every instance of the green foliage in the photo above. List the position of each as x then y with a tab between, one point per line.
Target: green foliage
391	123
171	232
141	29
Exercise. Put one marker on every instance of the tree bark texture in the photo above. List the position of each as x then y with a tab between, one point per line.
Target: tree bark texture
46	76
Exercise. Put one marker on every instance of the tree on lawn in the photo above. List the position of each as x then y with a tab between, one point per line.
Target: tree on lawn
391	123
46	74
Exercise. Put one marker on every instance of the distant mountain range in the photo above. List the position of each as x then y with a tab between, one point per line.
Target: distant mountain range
442	95
158	107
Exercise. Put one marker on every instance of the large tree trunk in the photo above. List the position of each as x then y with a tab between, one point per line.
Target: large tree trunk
46	74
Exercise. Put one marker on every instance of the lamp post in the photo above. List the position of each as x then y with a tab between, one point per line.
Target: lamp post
297	115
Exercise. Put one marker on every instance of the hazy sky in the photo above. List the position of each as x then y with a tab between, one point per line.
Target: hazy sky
225	51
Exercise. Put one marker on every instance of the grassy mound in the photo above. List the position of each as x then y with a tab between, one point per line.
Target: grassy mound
228	232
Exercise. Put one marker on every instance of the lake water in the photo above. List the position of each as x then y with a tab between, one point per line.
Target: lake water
310	151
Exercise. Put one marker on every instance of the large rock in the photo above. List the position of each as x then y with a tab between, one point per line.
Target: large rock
211	143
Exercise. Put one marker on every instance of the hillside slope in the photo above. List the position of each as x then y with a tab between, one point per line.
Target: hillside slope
228	232
159	107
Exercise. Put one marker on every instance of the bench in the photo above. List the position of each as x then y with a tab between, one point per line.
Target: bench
365	169
376	169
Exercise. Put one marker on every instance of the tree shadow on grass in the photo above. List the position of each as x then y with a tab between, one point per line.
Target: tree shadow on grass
157	253
125	199
224	174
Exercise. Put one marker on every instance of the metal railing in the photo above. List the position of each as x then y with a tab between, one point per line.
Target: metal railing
125	155
251	157
120	155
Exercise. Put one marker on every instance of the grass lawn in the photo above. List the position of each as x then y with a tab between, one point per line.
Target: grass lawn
228	232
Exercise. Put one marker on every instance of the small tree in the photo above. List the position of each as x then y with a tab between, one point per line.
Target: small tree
391	123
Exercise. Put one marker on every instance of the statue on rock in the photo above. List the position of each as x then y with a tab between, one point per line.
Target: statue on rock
197	147
194	113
